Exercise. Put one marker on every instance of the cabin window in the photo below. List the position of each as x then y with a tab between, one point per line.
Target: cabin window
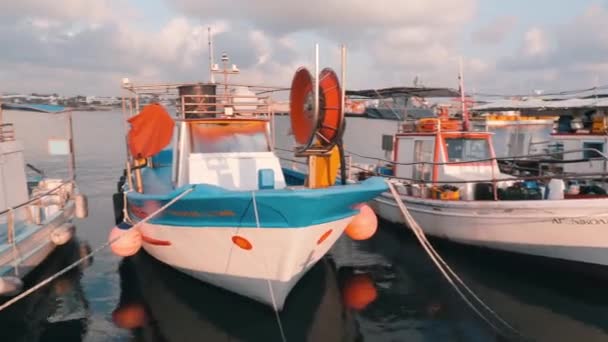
228	137
423	152
589	154
467	150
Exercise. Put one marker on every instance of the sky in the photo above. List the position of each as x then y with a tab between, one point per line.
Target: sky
86	47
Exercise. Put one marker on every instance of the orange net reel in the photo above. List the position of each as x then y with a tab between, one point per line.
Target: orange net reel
316	133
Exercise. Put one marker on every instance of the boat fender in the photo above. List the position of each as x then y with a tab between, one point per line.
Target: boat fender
127	245
555	189
364	224
82	206
62	234
10	286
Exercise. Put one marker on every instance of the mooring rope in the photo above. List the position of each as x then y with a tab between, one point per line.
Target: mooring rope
448	273
274	302
97	250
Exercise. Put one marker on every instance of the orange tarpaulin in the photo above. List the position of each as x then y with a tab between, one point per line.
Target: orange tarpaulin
151	130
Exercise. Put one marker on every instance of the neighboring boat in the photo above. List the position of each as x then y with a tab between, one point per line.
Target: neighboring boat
578	141
450	182
35	214
243	223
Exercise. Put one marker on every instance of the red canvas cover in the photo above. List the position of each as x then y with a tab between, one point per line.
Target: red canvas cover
151	130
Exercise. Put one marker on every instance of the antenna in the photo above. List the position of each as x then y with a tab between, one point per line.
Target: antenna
465	113
211	75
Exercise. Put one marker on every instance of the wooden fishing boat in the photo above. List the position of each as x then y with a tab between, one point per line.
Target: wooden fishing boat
234	218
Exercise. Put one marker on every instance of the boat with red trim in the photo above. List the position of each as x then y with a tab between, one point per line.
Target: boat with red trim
449	179
234	217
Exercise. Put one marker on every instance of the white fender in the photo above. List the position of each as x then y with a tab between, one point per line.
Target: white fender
62	234
10	286
82	208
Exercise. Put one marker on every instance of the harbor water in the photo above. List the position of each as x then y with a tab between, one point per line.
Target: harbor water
383	289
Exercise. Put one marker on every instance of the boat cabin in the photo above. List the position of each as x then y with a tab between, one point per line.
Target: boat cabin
232	153
579	133
427	154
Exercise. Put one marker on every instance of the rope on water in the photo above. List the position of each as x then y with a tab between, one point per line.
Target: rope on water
274	302
446	270
86	257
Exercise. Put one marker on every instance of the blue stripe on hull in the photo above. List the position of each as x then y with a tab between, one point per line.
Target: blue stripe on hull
211	206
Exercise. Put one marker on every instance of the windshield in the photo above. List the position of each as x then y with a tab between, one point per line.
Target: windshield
227	137
467	149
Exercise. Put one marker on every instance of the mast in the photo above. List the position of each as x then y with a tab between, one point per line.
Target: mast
211	75
465	113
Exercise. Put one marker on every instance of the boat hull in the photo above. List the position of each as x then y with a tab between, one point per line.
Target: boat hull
573	230
277	257
33	245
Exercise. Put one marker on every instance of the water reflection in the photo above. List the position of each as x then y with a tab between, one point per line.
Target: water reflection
57	312
160	304
544	302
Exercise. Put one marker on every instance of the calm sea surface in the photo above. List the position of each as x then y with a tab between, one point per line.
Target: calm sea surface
383	289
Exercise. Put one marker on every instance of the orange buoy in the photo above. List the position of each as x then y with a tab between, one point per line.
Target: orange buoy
364	224
359	291
130	316
127	245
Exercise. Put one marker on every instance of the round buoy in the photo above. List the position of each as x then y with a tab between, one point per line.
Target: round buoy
359	291
62	234
10	286
130	316
127	245
364	225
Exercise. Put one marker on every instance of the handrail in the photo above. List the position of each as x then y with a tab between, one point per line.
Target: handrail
525	157
36	198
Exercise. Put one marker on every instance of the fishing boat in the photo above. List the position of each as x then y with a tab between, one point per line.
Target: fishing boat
578	140
36	212
449	180
212	199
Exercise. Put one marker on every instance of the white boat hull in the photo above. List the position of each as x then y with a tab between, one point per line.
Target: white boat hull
278	256
574	230
33	249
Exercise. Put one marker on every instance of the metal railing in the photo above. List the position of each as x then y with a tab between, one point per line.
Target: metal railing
223	105
575	176
9	211
7	132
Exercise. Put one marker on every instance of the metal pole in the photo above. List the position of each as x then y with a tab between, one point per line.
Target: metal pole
211	74
465	114
72	159
343	76
316	85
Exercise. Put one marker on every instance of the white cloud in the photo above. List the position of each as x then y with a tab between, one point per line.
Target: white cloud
496	31
535	42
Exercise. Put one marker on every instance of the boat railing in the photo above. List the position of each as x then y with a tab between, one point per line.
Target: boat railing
223	105
9	213
7	132
542	173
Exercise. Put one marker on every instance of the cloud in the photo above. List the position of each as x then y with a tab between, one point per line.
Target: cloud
495	32
104	40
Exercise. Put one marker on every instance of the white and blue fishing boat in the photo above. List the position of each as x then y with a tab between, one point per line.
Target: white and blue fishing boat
36	212
235	218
